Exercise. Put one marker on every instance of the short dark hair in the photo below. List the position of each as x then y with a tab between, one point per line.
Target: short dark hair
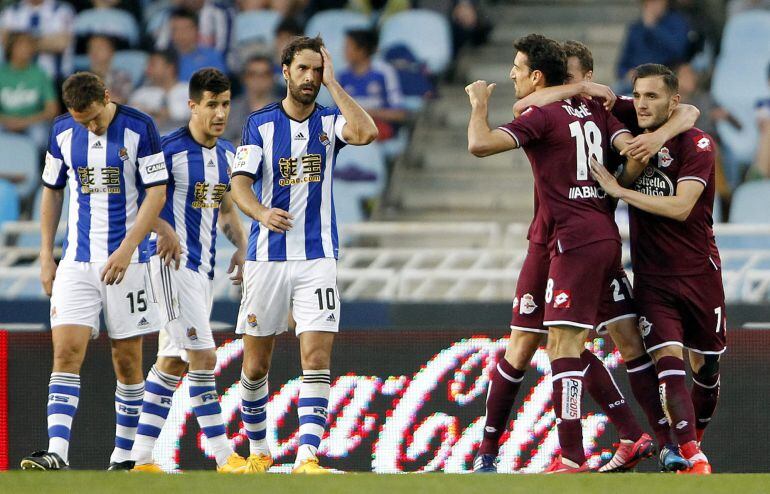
670	80
289	25
366	39
545	55
168	55
81	89
297	45
183	13
258	58
580	51
12	38
207	79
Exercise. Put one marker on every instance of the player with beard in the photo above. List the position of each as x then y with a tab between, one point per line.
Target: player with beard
677	274
282	179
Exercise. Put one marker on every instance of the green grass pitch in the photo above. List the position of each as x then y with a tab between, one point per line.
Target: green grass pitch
366	483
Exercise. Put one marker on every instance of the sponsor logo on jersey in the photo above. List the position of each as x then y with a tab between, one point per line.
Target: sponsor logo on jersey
241	157
653	182
97	145
702	143
561	299
570	399
587	192
645	326
664	157
155	167
192	333
252	320
300	137
210	164
527	304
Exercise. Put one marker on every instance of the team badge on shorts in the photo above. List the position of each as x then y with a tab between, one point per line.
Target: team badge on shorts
252	320
561	299
192	333
645	326
527	304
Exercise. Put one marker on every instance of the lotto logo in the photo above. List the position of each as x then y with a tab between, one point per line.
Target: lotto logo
702	143
561	299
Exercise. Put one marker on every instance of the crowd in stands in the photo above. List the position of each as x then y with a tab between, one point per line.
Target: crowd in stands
721	53
146	51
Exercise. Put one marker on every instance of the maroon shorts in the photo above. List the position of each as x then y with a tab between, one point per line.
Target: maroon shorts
528	301
578	282
686	311
618	302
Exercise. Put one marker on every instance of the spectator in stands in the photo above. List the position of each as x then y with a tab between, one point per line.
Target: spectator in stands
162	96
761	167
659	36
259	90
469	25
27	96
101	51
214	25
372	83
124	36
379	9
192	55
51	22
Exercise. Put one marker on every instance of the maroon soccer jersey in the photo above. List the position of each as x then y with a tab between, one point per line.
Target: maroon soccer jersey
559	140
625	112
538	230
664	246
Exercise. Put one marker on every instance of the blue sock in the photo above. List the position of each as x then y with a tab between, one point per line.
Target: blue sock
312	410
128	406
158	395
63	397
205	403
253	402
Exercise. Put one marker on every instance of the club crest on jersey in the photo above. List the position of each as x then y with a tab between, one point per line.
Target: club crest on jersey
664	158
645	326
527	304
653	182
252	320
561	299
192	333
324	138
123	153
702	143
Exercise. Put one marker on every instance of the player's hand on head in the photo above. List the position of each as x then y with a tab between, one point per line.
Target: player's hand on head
479	91
606	180
47	274
644	146
116	266
236	267
276	220
328	74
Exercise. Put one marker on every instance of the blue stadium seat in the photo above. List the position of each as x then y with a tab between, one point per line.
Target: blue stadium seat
360	174
256	25
132	61
740	79
332	26
32	239
19	157
401	29
9	202
111	22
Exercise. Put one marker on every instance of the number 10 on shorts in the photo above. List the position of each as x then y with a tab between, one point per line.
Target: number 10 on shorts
328	296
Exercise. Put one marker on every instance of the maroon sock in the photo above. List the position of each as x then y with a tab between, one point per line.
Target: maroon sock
567	394
604	391
645	387
676	398
504	383
705	395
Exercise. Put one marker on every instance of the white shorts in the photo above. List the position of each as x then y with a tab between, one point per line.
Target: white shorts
79	294
184	301
269	288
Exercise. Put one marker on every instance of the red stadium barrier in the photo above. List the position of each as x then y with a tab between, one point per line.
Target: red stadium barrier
3	400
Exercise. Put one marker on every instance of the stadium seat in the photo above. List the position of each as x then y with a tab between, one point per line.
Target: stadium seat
9	202
401	29
19	157
111	22
750	203
740	79
132	61
32	239
332	26
256	25
360	174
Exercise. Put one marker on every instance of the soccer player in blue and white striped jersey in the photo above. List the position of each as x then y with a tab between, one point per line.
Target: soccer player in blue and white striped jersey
198	200
109	157
282	179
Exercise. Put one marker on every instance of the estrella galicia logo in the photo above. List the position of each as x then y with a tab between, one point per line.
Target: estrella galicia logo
653	182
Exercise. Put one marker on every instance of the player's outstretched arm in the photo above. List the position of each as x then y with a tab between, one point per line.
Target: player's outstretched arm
50	212
119	260
555	93
230	223
483	141
274	219
359	128
676	207
646	145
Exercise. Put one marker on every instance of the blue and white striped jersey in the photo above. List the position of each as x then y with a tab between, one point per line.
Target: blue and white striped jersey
198	179
292	164
107	177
